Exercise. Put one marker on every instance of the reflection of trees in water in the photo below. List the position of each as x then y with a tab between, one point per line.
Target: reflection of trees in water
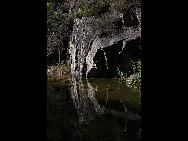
59	114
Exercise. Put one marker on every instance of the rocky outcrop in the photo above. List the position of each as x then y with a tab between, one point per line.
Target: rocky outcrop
100	46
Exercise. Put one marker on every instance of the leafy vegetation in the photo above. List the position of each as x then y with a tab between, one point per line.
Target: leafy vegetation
123	5
135	80
58	72
58	26
87	8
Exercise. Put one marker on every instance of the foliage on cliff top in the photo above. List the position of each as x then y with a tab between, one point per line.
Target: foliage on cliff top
87	8
122	5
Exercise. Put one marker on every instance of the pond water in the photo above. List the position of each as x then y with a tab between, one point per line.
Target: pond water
99	109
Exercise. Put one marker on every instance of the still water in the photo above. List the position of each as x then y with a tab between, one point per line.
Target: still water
100	109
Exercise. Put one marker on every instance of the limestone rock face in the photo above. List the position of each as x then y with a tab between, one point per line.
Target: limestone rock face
101	46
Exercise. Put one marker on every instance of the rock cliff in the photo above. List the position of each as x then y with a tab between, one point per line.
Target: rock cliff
100	46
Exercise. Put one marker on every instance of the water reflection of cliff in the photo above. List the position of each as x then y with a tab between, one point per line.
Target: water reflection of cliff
84	99
92	110
81	101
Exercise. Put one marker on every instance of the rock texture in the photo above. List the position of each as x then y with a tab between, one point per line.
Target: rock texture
100	46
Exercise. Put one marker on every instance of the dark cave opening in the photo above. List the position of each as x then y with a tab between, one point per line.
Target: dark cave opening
108	60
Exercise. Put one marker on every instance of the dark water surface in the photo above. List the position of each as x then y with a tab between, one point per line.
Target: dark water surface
100	109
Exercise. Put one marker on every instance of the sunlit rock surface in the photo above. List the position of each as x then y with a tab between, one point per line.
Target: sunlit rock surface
93	39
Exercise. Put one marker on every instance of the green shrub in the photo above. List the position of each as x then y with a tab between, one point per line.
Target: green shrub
135	79
87	8
122	5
